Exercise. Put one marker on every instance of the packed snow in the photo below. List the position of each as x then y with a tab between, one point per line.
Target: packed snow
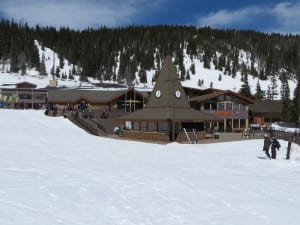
52	173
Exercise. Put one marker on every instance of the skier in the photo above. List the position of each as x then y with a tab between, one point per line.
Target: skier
267	143
274	145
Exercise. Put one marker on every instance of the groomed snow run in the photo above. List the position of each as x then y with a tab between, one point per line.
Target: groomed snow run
54	173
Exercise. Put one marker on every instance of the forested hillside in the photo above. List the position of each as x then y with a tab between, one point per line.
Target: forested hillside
125	54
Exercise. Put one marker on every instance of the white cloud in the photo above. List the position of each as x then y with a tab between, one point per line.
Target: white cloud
77	14
227	17
288	17
283	18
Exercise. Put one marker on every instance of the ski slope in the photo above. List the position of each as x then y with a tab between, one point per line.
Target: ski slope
54	173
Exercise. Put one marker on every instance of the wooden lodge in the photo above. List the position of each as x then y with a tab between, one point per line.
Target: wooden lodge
24	95
231	108
167	112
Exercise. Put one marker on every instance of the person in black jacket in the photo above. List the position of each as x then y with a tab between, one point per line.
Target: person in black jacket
266	147
274	145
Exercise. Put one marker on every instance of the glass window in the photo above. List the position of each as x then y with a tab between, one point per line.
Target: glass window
143	126
228	97
162	126
242	107
234	98
206	106
235	107
221	98
235	123
40	96
128	125
25	96
228	106
221	106
243	123
151	126
214	106
136	126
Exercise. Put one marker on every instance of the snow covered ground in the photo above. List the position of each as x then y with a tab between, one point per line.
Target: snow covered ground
54	173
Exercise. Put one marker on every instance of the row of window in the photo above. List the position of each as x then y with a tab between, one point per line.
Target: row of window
28	95
36	96
149	126
228	106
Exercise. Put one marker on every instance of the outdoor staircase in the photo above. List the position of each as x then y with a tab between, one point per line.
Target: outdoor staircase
93	125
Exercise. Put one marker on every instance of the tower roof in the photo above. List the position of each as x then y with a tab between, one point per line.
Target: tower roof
168	100
168	91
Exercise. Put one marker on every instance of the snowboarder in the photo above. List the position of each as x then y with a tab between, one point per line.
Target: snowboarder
266	147
274	145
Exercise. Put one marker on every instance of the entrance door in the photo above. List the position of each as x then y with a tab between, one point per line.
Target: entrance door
229	125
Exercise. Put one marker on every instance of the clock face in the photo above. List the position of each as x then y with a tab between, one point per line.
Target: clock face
158	93
178	94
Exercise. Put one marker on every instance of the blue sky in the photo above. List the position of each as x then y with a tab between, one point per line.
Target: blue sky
263	15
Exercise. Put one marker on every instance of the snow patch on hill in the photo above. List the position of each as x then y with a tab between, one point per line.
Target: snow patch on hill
211	77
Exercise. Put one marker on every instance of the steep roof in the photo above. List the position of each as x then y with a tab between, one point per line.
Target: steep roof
207	97
92	96
26	84
168	85
168	100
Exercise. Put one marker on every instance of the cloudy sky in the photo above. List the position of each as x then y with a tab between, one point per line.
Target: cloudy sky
263	15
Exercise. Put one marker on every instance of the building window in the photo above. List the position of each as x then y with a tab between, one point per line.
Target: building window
243	123
136	126
228	98
40	96
235	123
206	106
242	107
162	126
143	126
25	96
151	126
214	106
221	98
235	107
228	106
221	106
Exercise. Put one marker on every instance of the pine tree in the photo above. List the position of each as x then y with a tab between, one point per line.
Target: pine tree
220	77
269	95
57	72
42	67
199	83
259	92
188	77
143	76
61	61
245	89
273	87
192	68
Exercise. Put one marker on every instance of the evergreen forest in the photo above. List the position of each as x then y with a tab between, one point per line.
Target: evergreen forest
119	54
